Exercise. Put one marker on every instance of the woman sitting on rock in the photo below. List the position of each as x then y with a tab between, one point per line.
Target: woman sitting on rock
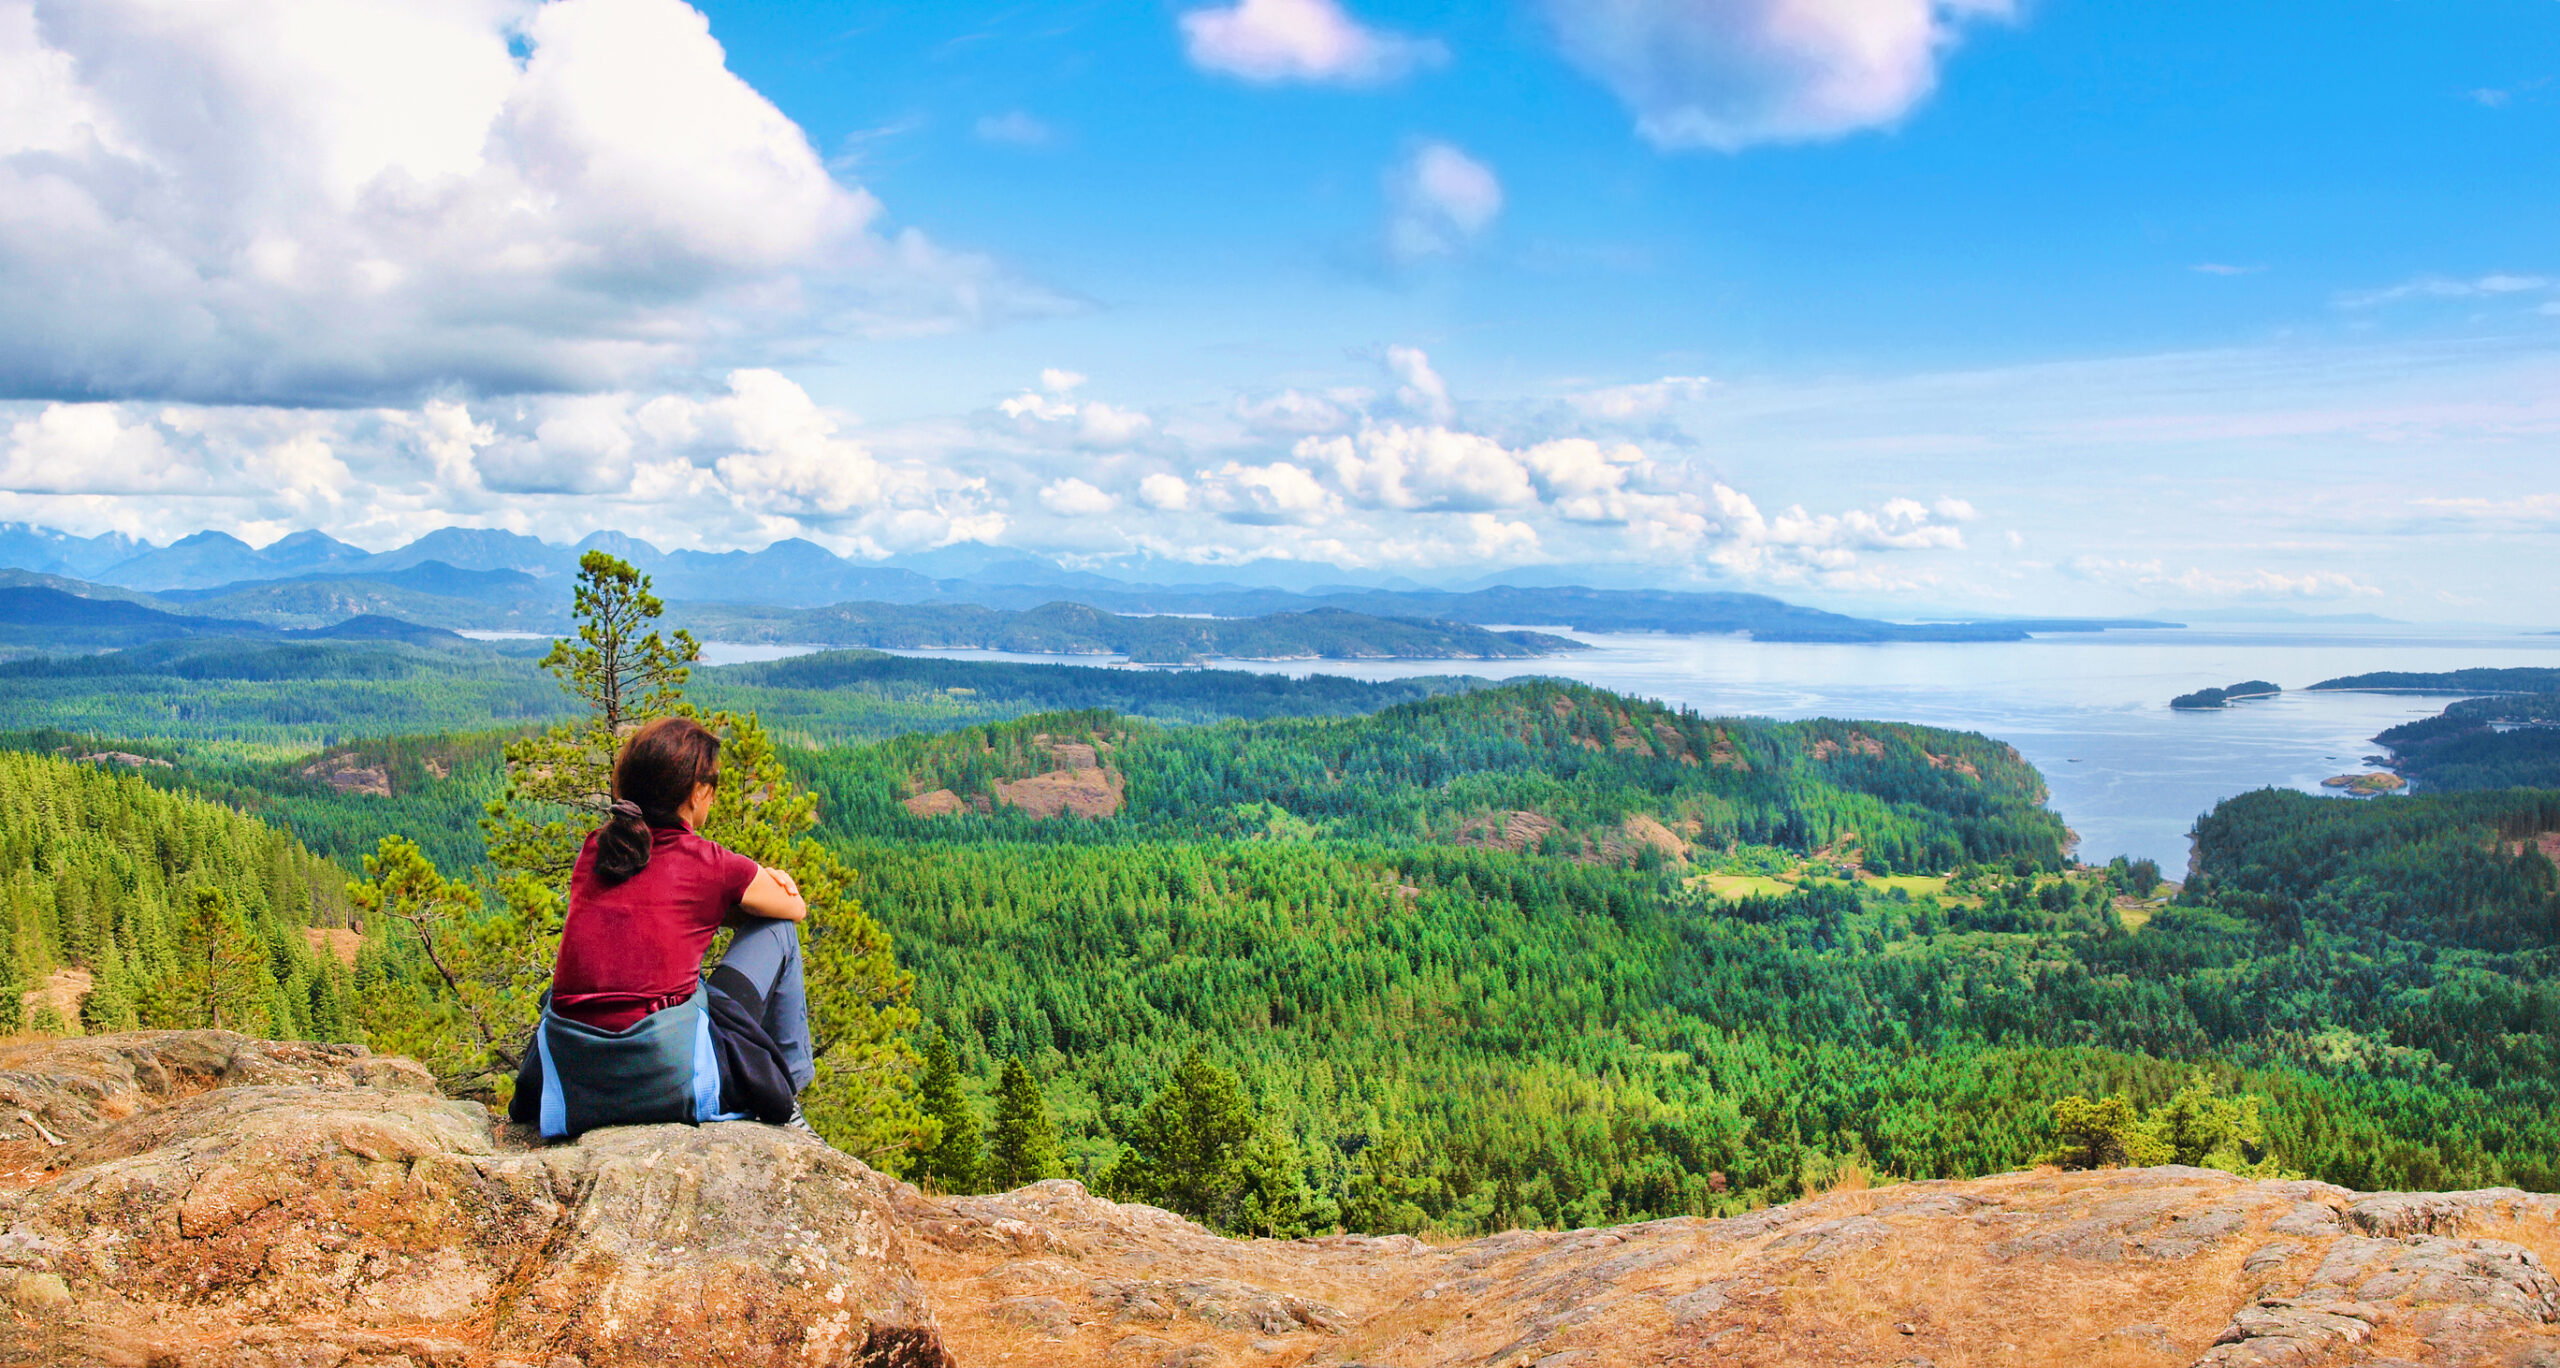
631	1033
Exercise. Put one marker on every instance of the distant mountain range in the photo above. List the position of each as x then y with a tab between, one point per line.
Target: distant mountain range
482	579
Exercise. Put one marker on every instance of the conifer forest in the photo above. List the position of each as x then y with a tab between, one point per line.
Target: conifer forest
1292	956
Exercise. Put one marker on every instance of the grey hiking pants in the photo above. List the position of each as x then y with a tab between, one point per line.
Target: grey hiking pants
768	953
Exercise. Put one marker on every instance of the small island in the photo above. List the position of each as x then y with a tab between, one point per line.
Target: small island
2366	785
2226	695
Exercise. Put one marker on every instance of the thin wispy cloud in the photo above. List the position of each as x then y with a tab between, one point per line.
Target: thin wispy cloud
2499	97
2261	584
2491	286
1015	129
1438	200
2224	268
2518	510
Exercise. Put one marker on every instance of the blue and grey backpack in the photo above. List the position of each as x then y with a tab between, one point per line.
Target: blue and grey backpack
707	1058
658	1069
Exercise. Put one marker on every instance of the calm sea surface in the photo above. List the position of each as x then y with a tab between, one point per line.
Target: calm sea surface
2092	712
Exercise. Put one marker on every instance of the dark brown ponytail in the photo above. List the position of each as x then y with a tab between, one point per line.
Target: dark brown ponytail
657	772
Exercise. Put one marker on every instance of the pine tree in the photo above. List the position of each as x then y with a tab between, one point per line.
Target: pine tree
1388	1186
454	1027
956	1160
1273	1200
1186	1148
1025	1145
223	984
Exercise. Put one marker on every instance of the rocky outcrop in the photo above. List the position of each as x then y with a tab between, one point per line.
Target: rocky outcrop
220	1201
215	1202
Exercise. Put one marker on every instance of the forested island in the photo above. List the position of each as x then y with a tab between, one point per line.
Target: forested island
2519	680
1433	956
2497	742
2226	695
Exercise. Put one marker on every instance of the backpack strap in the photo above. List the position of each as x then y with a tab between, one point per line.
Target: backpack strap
555	1104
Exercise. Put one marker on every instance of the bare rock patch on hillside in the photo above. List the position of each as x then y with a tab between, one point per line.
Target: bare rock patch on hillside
1086	791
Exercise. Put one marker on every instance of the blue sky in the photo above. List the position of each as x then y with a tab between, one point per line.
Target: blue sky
1902	305
2051	199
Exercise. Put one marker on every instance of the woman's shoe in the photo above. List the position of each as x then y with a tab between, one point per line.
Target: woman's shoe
799	1120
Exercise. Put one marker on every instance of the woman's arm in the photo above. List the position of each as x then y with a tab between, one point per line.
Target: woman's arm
774	895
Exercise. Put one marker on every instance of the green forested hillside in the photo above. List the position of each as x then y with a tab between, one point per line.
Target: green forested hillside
838	696
2508	741
272	699
180	911
1576	1029
1481	955
276	728
1582	760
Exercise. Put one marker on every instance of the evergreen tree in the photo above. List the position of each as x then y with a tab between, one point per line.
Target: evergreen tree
1273	1199
1186	1148
955	1161
2107	1133
223	986
454	1022
2202	1127
1389	1185
1025	1146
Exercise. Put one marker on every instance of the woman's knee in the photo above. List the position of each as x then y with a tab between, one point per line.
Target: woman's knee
763	941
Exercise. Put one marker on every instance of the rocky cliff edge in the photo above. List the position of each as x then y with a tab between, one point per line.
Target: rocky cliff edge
202	1200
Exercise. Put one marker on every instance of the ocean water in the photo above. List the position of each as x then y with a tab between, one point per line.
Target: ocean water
2091	712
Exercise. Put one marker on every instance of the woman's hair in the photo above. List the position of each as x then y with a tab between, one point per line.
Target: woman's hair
656	774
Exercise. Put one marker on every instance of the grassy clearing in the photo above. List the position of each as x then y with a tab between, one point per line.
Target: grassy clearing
1733	887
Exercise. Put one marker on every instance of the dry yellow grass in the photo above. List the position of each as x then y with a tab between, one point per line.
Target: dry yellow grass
1732	887
1965	1310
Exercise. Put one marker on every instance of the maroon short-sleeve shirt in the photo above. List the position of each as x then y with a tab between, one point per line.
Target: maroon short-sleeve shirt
633	948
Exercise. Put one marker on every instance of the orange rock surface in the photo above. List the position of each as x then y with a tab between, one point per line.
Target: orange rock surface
205	1201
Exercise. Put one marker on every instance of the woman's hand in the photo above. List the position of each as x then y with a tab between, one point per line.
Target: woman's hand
774	894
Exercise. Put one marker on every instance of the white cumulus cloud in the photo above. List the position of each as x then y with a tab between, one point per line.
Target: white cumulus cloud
1427	468
356	200
1279	492
1166	493
1052	409
1726	74
1073	498
1270	41
1419	388
752	463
